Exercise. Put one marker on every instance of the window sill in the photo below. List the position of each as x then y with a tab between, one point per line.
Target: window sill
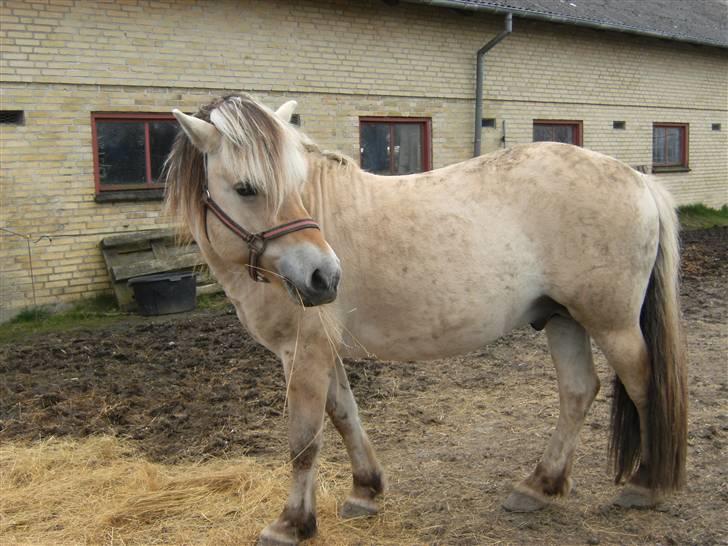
129	195
676	169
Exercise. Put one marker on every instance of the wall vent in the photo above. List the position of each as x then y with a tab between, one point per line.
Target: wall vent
488	123
715	127
619	125
12	117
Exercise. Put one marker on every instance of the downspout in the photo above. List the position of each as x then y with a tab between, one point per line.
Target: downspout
479	81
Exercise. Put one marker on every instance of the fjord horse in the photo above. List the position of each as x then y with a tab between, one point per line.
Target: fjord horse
323	260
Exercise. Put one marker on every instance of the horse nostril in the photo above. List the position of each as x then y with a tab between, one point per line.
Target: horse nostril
318	281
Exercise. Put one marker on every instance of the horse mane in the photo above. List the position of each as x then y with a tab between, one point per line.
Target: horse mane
259	146
340	159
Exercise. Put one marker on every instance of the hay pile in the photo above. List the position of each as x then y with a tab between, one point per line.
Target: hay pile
99	491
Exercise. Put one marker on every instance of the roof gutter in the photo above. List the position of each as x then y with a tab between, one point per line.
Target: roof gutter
479	82
563	19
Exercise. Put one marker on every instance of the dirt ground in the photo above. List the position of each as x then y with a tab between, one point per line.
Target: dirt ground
453	435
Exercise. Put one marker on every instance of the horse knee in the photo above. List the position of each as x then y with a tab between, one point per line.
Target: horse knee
340	414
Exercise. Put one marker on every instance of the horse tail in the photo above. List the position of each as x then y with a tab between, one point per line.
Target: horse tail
667	403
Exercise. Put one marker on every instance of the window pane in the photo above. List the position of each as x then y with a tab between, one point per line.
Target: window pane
161	138
673	145
121	152
375	148
564	133
407	148
542	133
557	132
658	145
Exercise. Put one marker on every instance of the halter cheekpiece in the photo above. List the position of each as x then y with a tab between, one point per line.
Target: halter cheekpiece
256	242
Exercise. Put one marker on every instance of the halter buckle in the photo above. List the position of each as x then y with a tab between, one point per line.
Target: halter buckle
257	244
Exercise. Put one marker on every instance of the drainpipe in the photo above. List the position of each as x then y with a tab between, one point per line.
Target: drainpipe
479	81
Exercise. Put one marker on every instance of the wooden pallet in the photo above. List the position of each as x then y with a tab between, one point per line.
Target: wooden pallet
140	253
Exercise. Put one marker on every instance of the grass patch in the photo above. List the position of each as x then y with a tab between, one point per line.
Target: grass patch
31	314
217	300
699	216
99	310
87	313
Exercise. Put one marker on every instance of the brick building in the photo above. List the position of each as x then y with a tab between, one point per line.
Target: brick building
87	87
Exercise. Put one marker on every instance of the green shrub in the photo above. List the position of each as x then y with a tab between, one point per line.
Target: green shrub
699	216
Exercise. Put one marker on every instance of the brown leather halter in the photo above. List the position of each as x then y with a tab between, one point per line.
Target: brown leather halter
256	241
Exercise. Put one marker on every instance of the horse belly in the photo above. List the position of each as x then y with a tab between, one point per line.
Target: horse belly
474	281
443	326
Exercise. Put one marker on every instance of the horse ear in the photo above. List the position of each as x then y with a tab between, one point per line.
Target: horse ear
204	136
286	110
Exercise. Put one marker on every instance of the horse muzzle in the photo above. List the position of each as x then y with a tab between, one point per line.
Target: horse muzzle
311	276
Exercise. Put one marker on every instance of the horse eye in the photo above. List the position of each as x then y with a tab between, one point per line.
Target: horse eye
245	189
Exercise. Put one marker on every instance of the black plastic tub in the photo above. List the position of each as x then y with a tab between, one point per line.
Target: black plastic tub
165	293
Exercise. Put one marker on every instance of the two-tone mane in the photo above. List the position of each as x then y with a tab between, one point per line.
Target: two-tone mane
263	150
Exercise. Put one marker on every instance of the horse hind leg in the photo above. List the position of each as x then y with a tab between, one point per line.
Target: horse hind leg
626	352
578	386
367	473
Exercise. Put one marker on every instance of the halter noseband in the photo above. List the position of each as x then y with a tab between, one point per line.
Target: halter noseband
256	241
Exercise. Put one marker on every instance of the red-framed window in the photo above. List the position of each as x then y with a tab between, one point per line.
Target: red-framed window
569	132
129	149
395	145
669	145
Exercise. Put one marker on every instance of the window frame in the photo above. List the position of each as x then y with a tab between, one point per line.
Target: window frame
683	165
426	132
576	123
145	117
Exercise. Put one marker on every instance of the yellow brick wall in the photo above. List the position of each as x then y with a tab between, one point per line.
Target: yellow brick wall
707	181
363	47
60	60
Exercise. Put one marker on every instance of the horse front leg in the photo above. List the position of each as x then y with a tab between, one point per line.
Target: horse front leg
367	473
308	380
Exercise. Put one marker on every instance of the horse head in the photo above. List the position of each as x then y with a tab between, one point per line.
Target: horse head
234	178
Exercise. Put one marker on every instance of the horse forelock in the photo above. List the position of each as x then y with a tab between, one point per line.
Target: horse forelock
257	146
260	148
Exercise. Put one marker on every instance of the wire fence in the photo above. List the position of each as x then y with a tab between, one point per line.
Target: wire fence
34	239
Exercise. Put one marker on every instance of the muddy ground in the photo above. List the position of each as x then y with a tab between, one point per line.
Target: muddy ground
453	435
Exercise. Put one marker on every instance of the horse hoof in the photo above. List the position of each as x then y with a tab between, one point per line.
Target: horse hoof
518	501
271	537
358	508
634	496
271	541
